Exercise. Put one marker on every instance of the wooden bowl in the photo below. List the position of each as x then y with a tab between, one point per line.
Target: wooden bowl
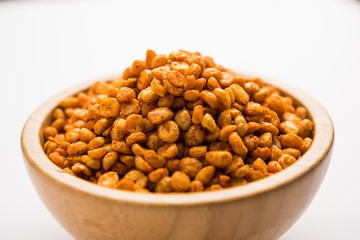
260	210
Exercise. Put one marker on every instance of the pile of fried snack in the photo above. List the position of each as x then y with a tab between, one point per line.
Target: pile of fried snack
177	123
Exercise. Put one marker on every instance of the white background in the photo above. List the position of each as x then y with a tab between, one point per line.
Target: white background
48	46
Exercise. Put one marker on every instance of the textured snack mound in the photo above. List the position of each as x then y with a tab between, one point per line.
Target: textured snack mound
177	123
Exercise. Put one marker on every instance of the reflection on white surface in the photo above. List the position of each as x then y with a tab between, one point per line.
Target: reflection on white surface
47	46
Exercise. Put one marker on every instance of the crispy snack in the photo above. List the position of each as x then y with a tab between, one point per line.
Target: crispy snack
177	123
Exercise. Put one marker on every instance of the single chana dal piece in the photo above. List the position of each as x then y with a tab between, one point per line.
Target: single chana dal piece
194	136
91	162
219	159
97	153
196	186
155	160
190	166
205	174
225	132
134	123
180	182
125	94
77	148
198	114
241	96
164	185
109	179
237	144
291	140
157	87
109	107
138	177
109	159
209	123
274	167
168	131
169	150
286	160
183	119
235	165
156	175
56	158
125	184
241	171
160	115
254	175
142	165
223	98
198	152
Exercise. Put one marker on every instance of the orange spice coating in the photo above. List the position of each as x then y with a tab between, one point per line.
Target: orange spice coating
177	123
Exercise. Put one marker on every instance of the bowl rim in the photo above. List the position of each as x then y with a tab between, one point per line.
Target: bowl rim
321	145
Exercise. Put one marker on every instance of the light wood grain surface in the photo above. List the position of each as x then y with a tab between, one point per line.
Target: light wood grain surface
259	210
